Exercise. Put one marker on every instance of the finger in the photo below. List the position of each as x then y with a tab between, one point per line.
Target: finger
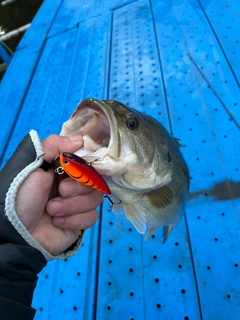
54	145
73	205
68	188
78	221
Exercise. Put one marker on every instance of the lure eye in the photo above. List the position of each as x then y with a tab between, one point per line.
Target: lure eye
66	162
132	122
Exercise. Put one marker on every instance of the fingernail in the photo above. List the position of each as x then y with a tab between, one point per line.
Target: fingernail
54	207
59	221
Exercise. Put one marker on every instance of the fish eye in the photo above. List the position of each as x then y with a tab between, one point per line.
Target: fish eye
65	162
132	122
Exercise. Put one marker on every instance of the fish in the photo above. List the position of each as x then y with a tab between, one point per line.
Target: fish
138	158
82	171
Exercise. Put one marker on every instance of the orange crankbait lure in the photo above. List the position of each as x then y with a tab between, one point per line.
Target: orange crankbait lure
82	171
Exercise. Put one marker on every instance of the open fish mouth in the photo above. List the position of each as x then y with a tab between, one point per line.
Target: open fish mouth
95	121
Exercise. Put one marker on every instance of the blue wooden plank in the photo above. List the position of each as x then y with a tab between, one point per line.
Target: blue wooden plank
135	71
41	24
13	90
56	88
223	18
173	61
59	84
71	291
207	53
72	12
144	279
4	54
211	147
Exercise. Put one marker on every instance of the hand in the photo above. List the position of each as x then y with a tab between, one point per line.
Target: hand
56	222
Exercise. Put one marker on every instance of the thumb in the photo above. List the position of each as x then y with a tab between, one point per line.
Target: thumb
54	145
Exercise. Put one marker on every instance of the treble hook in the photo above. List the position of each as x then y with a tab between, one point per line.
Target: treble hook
91	162
110	200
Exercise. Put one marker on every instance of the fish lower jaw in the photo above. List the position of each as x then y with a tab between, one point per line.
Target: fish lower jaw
109	167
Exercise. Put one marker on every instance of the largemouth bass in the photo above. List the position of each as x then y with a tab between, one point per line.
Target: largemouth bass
138	158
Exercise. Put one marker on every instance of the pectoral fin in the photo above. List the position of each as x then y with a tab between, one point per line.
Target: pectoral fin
136	217
160	198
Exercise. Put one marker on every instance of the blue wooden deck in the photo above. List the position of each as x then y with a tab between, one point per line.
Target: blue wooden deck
178	61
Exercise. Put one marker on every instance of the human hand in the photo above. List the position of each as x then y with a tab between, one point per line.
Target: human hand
56	221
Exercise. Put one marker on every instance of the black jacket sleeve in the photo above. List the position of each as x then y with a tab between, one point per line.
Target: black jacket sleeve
19	262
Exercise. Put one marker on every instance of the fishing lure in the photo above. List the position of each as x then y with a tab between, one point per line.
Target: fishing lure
82	171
